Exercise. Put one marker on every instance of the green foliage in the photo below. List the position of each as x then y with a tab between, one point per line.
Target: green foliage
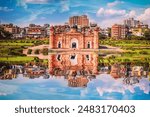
102	36
36	59
29	51
45	51
147	34
37	51
143	52
4	34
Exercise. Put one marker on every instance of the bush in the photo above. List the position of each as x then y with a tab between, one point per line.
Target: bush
45	51
29	51
37	51
143	52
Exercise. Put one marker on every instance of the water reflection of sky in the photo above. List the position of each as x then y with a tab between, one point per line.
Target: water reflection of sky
103	87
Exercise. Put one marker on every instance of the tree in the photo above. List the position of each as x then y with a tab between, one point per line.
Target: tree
147	34
102	36
4	34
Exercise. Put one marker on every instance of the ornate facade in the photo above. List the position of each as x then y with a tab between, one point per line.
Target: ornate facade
73	38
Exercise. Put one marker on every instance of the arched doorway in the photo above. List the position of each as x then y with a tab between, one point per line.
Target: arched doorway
74	43
88	45
59	45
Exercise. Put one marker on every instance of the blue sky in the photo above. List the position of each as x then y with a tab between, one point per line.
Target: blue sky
103	12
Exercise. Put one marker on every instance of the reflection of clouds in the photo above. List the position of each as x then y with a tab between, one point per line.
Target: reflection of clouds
104	87
22	80
37	85
7	89
84	93
106	84
144	85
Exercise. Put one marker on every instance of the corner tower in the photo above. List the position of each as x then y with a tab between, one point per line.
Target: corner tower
51	39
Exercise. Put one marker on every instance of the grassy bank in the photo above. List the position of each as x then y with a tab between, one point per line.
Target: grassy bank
135	50
11	51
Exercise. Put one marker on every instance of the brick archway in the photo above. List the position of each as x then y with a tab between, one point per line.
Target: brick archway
74	43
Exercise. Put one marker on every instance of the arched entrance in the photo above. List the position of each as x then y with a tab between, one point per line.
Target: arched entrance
88	45
74	43
59	45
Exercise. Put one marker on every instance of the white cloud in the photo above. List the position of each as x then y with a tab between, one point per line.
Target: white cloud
110	12
65	6
145	17
35	1
112	4
5	9
132	13
110	16
25	2
108	22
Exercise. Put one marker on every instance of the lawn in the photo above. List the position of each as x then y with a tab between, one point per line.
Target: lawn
126	43
135	51
11	51
17	59
16	44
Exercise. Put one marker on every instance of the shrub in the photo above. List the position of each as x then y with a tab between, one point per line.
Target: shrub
45	51
29	51
37	51
143	52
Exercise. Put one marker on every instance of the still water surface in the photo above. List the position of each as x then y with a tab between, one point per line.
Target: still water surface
76	76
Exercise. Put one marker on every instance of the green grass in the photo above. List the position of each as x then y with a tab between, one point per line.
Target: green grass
135	50
16	44
126	43
17	59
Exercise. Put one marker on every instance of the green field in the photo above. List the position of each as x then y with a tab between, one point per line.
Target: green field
17	59
126	43
135	51
16	44
11	51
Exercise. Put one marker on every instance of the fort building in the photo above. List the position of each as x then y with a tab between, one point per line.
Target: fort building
62	37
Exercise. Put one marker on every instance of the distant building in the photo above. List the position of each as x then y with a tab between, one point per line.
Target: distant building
47	30
35	31
143	26
80	21
106	32
11	28
118	31
131	22
138	31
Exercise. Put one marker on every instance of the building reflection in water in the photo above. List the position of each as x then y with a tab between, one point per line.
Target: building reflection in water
77	68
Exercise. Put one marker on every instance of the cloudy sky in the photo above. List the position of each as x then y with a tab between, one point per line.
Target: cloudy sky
103	12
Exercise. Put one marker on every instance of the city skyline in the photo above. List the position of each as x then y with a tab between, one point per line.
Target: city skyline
54	12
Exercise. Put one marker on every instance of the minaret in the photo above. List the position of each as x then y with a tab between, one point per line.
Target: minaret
51	39
96	43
